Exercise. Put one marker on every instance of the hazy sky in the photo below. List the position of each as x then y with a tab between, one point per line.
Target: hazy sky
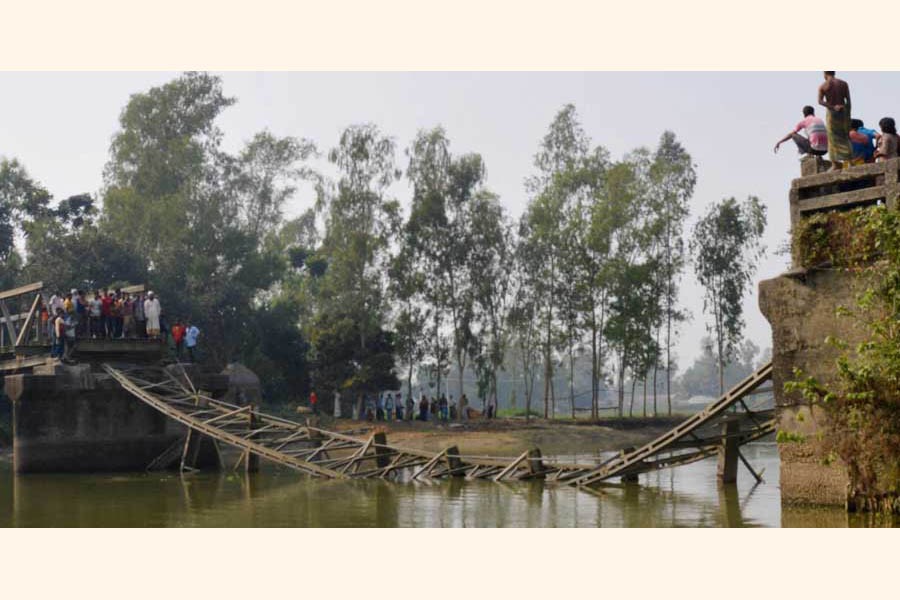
60	124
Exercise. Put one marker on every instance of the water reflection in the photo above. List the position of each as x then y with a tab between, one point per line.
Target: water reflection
687	496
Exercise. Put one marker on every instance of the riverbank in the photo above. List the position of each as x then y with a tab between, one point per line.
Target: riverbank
510	437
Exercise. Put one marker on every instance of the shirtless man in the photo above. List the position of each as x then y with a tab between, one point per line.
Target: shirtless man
834	95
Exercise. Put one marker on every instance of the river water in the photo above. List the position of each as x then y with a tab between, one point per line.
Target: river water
687	496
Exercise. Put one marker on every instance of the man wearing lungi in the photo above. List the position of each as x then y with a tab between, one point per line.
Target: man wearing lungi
834	95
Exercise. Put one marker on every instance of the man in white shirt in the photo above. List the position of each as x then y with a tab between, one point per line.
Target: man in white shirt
152	310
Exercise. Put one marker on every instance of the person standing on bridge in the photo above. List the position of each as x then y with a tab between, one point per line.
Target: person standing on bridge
398	406
105	310
314	402
96	316
128	303
57	342
152	310
69	325
834	95
178	331
191	335
140	321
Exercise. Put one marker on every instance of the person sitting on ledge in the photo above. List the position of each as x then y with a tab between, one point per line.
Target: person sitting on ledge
887	141
816	141
862	141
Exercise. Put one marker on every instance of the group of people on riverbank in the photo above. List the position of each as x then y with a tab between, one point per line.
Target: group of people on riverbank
847	141
392	407
110	314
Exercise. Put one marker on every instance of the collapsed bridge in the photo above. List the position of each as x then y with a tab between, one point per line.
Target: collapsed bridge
83	417
721	428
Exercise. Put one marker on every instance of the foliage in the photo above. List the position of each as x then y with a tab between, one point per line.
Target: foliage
789	437
701	378
195	216
862	403
672	180
725	249
338	297
352	348
841	238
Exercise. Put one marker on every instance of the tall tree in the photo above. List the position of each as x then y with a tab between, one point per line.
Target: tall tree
265	176
672	180
412	315
523	318
438	228
194	214
725	248
351	346
489	265
563	150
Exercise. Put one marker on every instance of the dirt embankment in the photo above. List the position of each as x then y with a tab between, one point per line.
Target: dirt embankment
510	437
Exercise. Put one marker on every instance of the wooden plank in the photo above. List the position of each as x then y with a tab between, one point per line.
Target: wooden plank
15	318
21	291
23	333
512	466
687	426
429	465
25	362
10	328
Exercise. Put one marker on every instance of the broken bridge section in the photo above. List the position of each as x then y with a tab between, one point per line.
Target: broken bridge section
720	428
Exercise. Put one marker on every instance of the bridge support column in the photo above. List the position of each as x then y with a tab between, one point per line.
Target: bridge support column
535	464
454	462
191	450
251	461
632	477
729	452
382	454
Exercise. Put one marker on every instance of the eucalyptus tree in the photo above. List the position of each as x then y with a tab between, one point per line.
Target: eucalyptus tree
265	175
590	231
672	179
351	346
622	234
439	227
490	257
562	154
524	311
725	248
412	317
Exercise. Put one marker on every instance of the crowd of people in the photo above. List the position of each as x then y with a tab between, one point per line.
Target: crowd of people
392	407
111	314
846	140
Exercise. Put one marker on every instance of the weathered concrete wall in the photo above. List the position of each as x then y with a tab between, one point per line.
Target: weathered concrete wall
801	310
74	419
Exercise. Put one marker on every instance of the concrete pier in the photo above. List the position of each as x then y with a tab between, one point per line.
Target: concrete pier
68	418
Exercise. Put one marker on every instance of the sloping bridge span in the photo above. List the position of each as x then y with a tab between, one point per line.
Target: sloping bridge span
322	453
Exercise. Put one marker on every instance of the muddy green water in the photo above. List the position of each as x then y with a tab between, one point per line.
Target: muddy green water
683	497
